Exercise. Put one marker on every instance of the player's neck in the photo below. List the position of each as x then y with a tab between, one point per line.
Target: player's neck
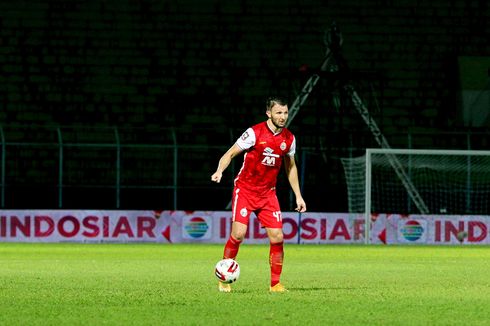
273	128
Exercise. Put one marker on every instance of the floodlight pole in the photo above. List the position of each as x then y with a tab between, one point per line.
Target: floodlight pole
333	41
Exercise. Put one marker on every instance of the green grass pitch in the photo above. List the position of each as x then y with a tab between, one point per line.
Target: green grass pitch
154	284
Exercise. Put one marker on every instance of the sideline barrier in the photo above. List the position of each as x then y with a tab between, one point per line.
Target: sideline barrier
109	226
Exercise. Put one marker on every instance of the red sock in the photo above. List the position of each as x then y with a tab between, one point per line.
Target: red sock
276	257
231	248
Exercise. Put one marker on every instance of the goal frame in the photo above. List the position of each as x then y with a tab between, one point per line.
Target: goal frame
395	151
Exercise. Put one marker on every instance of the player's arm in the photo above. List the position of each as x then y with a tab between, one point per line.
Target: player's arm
292	174
225	161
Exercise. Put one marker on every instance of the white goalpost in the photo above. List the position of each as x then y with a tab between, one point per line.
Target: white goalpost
447	182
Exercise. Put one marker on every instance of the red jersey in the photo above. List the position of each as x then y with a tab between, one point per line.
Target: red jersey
264	151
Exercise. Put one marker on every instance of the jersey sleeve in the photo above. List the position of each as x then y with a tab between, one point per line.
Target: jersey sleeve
292	149
247	139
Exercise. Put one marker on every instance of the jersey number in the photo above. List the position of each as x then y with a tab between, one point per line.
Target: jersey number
277	215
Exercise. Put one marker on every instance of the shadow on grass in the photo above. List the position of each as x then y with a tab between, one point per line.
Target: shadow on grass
306	289
325	288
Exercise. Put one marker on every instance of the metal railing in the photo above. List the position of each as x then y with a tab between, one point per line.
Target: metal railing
114	159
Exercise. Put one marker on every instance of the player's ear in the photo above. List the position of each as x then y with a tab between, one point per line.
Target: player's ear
268	112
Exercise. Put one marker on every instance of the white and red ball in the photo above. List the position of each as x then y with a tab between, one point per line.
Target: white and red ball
227	270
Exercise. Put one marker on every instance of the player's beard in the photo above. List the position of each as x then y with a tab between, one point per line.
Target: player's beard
278	124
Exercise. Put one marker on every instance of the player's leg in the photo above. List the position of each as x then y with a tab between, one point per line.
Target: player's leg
240	213
270	217
276	258
240	217
238	231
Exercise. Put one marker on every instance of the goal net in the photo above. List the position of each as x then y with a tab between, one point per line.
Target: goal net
409	181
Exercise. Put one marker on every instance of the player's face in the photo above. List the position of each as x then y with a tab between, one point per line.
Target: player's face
278	115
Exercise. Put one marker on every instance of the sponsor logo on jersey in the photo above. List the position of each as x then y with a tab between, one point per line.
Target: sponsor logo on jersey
269	157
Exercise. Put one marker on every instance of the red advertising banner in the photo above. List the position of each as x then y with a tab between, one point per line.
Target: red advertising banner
94	226
89	226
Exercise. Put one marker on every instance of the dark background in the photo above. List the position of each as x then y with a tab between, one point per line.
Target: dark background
196	74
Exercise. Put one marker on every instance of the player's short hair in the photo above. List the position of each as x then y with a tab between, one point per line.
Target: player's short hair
273	100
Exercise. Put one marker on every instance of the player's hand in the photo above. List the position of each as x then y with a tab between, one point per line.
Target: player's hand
300	205
216	177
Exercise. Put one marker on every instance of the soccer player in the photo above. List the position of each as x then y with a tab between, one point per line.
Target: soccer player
266	146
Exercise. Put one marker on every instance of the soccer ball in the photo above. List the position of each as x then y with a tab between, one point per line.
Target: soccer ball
227	270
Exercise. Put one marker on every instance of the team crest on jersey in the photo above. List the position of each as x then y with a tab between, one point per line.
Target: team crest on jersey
283	145
243	212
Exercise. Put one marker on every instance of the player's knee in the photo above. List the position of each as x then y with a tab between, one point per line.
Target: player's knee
238	231
276	237
238	235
